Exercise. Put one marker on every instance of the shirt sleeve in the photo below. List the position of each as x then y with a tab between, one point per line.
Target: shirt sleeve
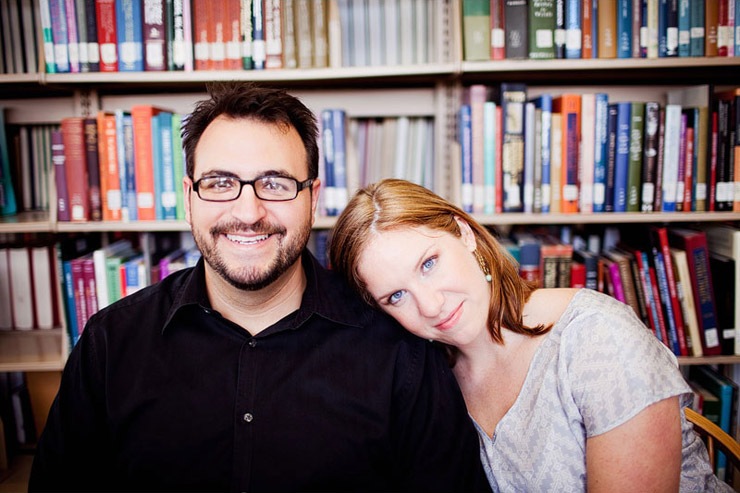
72	454
616	367
436	445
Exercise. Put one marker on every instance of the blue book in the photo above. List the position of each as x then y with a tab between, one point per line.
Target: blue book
736	30
696	16
168	195
621	158
672	29
644	30
544	103
58	15
663	28
126	164
652	302
466	149
594	29
684	28
573	29
601	151
611	154
624	28
327	137
8	204
489	157
157	164
667	306
339	120
69	302
129	36
259	54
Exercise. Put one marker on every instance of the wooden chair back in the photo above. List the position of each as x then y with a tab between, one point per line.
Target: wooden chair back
715	438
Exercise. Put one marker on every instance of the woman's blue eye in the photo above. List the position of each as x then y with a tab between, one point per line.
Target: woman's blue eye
428	263
395	297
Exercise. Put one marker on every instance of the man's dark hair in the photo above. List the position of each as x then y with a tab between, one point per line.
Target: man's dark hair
249	101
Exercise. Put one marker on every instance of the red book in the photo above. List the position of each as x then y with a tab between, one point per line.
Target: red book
587	39
107	42
689	170
659	238
569	106
78	283
723	23
498	32
713	162
110	185
577	275
76	168
142	122
273	35
91	293
202	13
694	243
498	163
232	30
216	36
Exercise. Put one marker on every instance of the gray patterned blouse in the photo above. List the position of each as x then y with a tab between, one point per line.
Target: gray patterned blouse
597	368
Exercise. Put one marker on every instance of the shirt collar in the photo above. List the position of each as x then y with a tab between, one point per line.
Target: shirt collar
326	295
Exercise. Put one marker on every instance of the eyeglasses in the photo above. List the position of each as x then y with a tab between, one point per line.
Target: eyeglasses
272	188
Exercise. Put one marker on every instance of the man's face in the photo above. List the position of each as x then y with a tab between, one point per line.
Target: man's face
250	242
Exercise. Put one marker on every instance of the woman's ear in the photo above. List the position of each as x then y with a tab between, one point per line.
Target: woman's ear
466	234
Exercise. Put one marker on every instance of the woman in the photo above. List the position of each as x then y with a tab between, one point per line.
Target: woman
567	388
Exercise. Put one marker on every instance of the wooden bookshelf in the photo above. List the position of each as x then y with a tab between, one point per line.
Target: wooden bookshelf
33	350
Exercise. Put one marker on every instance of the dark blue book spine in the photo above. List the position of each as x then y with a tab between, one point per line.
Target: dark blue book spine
621	160
624	29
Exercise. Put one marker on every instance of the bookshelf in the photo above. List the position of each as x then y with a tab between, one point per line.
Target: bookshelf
432	90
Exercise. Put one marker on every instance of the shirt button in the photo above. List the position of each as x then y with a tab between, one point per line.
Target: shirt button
252	343
248	417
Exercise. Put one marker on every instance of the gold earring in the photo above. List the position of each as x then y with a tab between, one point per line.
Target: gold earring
483	266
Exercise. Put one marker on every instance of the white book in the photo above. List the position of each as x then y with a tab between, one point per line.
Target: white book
429	155
359	32
408	36
43	23
587	152
334	33
390	145
670	156
686	297
392	48
21	293
417	165
402	147
421	29
43	290
375	31
6	309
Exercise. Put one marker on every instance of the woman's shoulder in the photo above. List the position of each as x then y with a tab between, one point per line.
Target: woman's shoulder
547	305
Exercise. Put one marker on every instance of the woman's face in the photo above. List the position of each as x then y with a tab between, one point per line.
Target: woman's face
429	281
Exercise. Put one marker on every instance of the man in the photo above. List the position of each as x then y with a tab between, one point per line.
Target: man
257	370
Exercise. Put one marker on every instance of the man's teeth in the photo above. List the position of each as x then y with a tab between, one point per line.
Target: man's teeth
247	240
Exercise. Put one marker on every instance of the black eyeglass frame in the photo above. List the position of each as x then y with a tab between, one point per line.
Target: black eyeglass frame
300	185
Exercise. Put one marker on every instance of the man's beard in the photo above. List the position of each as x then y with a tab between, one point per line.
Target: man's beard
253	277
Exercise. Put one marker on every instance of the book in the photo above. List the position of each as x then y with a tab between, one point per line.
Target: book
607	31
696	33
273	35
686	297
95	205
725	240
129	36
498	32
695	245
544	104
46	35
723	276
490	161
8	204
126	165
650	156
476	33
671	157
154	33
81	24
587	154
57	12
513	98
75	166
110	185
21	288
107	35
516	29
477	94
144	165
622	155
100	257
601	151
43	282
573	32
541	29
659	240
6	307
569	106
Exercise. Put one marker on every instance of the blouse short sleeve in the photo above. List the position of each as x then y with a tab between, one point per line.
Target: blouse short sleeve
615	365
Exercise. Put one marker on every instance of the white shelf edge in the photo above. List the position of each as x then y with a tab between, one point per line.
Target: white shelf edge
594	64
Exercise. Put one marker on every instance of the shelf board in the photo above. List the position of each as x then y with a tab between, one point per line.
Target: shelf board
428	71
708	360
514	218
19	78
26	222
32	350
596	64
140	226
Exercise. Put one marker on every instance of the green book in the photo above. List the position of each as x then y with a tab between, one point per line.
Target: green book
634	171
477	29
541	15
179	165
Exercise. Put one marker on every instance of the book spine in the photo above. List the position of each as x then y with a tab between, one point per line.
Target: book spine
81	18
232	34
611	156
59	33
634	174
327	140
156	160
624	29
489	157
711	26
621	160
672	28
671	156
498	31
528	196
258	41
668	313
696	43
90	126
477	93
662	242
588	27
513	98
154	35
515	25
339	124
587	153
650	156
607	29
573	32
569	105
545	103
187	37
110	187
541	29
176	40
600	152
60	175
144	165
216	34
93	46
76	168
107	35
73	46
684	28
47	36
130	37
466	149
168	196
559	35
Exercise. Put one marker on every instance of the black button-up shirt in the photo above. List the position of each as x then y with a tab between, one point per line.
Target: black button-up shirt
163	393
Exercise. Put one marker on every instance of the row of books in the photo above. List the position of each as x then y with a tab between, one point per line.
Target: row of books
574	29
359	151
584	153
680	282
94	276
60	36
